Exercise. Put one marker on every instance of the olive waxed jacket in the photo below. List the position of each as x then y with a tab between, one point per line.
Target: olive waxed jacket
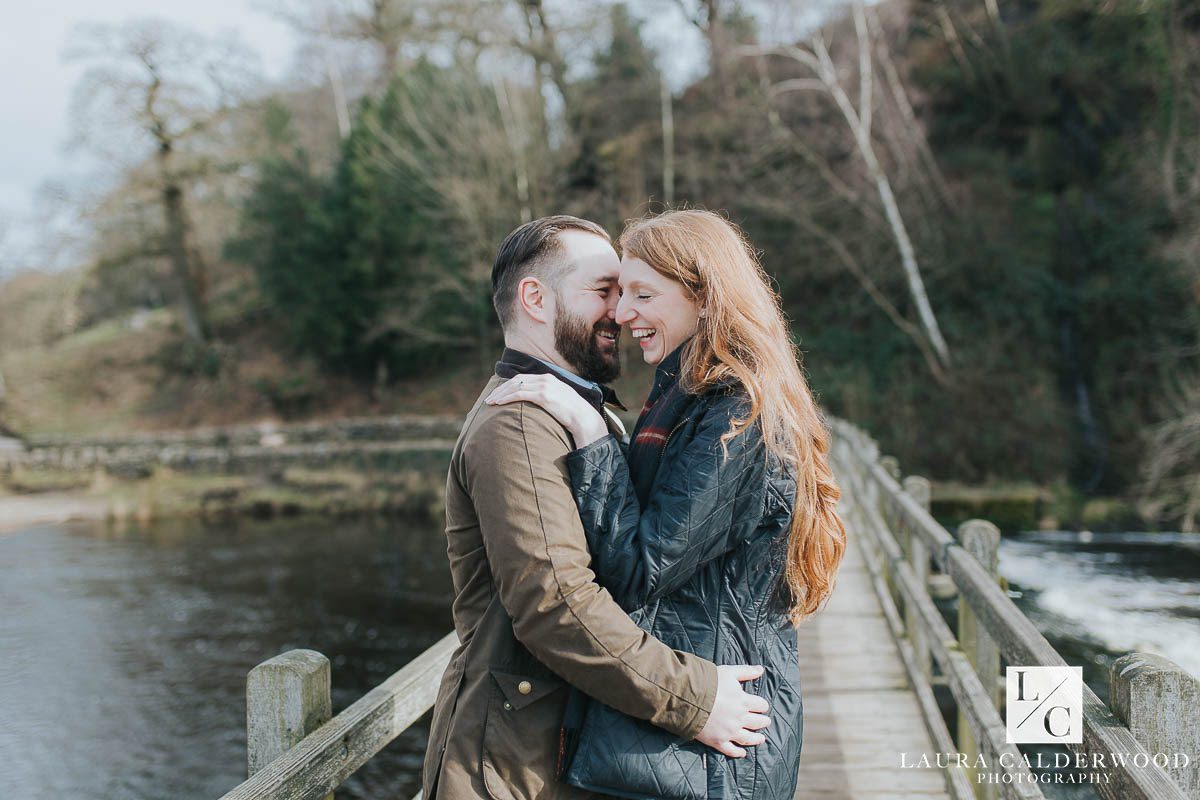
531	619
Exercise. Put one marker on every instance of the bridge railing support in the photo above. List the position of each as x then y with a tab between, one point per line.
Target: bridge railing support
295	751
892	523
982	540
918	559
1159	702
287	698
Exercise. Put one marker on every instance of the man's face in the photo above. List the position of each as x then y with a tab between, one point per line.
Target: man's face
586	334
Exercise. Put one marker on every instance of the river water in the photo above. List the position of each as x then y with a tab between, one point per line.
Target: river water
124	651
1096	598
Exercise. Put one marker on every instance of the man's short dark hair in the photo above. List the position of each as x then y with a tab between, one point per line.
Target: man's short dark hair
532	250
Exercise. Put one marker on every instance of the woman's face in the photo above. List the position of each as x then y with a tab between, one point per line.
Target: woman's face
658	311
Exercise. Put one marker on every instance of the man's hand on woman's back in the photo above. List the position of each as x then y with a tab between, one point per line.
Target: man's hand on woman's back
736	716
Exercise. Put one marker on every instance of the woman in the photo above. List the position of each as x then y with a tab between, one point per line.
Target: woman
717	530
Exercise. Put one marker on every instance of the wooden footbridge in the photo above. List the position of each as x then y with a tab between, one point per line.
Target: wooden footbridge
870	662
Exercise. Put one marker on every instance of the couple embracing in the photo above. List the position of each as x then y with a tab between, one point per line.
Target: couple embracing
626	604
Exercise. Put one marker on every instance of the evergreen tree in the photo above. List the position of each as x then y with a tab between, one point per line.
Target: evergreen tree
620	123
350	263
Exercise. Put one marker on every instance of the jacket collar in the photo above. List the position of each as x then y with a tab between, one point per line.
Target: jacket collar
666	373
514	362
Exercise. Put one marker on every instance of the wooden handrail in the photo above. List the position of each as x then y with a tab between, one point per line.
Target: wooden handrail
330	754
1018	639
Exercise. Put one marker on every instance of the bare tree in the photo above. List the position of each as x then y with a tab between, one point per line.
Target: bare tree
395	32
529	29
473	145
542	46
153	86
823	77
1171	472
1180	162
708	17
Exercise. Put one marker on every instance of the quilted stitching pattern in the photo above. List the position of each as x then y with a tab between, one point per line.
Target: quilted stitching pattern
697	568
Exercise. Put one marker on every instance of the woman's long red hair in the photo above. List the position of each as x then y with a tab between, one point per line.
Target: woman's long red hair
743	335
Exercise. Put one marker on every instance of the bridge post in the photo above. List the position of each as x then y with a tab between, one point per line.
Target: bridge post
1158	700
981	539
891	465
287	698
918	559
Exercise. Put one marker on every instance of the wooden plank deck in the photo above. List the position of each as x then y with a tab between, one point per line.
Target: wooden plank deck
859	713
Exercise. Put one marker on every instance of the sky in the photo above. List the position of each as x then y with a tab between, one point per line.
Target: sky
35	87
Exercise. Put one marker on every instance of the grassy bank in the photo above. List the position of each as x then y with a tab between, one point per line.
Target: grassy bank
66	376
1018	507
293	492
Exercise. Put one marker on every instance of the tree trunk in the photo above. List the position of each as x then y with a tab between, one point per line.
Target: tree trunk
336	86
668	134
715	33
178	250
859	122
547	56
517	141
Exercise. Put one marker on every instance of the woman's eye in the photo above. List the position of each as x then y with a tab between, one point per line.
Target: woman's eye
643	297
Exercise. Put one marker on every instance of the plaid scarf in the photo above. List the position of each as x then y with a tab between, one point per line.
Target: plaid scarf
666	407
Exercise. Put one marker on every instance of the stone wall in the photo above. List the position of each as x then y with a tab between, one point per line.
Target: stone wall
375	443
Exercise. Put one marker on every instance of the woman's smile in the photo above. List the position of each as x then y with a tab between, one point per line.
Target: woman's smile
659	312
643	335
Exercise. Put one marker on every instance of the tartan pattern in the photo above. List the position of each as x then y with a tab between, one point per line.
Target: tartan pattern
666	404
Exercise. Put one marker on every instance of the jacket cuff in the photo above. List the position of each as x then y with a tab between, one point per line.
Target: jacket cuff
582	453
708	678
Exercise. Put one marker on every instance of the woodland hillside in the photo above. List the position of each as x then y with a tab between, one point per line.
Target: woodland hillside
981	216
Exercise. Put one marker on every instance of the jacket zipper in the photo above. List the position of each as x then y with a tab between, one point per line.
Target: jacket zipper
667	441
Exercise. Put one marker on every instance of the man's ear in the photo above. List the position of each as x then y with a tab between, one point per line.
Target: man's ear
534	300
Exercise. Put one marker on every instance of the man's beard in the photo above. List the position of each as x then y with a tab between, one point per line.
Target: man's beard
576	342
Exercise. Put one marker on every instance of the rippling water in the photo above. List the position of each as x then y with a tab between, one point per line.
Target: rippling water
125	652
1109	598
1097	598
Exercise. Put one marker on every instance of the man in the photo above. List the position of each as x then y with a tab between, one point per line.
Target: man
529	615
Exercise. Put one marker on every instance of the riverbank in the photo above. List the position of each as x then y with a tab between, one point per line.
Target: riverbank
367	465
48	509
292	492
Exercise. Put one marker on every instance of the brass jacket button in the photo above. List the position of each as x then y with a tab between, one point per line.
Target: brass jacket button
524	687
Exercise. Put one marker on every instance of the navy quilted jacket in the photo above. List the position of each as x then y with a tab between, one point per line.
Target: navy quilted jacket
699	567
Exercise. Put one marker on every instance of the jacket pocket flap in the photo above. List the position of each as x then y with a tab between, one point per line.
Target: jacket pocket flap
521	690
